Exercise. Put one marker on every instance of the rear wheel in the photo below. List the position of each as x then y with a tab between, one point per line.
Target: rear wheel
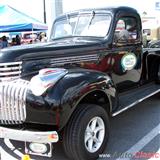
87	133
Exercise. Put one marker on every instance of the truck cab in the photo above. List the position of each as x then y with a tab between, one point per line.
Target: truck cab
93	68
121	34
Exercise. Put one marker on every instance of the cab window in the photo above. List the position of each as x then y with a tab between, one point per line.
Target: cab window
126	30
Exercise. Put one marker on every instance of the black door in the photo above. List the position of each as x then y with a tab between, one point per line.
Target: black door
126	55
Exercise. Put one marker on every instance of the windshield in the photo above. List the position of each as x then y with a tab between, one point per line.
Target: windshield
90	24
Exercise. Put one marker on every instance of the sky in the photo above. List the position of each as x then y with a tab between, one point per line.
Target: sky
140	5
34	8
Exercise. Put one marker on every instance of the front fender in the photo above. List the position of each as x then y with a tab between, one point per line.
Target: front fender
74	86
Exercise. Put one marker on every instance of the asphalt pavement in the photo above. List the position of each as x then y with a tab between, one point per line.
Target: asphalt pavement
135	134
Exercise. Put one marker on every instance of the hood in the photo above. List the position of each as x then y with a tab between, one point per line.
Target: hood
50	49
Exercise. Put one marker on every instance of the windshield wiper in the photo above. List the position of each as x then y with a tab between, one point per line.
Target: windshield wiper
91	19
68	19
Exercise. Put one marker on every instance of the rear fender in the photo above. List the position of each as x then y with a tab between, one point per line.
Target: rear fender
153	62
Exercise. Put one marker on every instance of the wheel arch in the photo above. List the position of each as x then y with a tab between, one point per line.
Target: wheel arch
99	97
96	96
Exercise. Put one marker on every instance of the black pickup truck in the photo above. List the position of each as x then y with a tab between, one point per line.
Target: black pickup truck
93	68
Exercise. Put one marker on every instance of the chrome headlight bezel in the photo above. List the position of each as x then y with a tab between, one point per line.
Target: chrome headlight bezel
46	78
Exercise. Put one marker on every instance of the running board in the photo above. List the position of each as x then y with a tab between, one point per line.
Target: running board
130	99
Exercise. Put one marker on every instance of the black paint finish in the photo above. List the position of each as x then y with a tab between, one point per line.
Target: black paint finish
93	63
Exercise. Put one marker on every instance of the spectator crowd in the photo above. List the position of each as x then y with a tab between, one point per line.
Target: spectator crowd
18	40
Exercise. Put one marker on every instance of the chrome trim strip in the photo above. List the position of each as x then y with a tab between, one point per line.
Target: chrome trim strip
10	73
13	102
29	136
10	63
136	102
22	91
73	59
11	68
5	103
17	108
9	102
76	57
9	78
1	103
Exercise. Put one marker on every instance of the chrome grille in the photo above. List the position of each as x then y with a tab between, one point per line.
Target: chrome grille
10	71
13	101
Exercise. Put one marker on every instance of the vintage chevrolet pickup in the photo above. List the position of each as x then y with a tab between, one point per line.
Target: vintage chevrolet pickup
94	67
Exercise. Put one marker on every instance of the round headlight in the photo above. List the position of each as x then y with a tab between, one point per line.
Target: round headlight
37	87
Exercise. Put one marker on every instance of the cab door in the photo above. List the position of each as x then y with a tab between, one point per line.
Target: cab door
126	55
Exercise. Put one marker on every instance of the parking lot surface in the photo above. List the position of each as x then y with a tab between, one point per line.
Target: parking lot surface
135	134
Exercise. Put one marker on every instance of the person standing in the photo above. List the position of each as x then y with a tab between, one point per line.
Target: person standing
13	43
43	37
0	43
18	40
4	42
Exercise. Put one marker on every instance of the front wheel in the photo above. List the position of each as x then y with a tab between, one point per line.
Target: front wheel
86	135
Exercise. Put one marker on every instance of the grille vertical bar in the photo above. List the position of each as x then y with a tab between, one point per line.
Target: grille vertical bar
13	101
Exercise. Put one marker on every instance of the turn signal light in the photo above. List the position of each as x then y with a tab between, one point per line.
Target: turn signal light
53	136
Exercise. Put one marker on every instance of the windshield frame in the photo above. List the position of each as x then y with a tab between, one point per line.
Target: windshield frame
91	14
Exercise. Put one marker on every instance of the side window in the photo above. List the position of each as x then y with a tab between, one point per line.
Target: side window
126	30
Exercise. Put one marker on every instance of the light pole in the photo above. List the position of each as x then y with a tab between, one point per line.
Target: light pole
44	10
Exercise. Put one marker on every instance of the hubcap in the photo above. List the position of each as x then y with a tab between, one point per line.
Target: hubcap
94	134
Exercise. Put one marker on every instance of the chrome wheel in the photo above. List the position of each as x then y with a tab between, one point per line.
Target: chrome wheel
94	134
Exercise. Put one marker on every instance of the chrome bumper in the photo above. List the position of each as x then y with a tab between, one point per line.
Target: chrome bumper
29	136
